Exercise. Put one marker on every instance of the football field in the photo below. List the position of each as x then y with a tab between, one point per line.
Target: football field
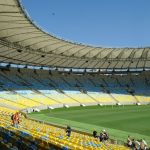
118	121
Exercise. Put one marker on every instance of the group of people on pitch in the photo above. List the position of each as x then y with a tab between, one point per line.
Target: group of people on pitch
102	137
137	144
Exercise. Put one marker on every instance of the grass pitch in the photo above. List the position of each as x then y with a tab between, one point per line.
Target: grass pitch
119	121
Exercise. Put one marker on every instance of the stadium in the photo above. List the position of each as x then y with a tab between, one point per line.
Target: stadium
53	83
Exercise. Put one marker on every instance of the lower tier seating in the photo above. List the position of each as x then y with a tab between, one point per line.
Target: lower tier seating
43	136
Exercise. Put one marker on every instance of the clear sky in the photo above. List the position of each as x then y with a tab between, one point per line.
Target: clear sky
107	23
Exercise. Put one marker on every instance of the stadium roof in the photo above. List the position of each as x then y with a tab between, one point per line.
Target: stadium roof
23	42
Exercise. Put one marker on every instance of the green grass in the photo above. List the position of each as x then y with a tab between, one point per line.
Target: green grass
119	121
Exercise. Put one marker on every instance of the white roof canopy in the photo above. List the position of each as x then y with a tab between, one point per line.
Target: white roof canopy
22	42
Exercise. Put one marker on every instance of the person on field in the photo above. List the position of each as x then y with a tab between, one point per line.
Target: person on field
133	144
143	145
137	145
15	120
103	136
129	141
12	117
95	133
68	131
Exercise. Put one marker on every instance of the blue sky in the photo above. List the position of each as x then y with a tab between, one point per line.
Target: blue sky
107	23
